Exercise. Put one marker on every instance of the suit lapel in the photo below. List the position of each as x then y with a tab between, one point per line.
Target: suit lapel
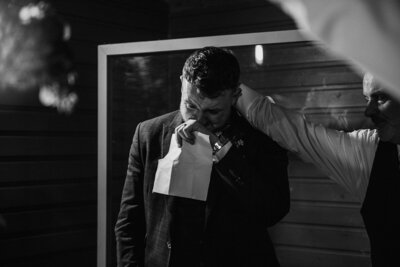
214	188
168	130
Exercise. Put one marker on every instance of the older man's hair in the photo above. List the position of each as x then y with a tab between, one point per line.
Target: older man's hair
368	80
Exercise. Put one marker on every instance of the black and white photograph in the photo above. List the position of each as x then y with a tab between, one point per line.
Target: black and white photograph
199	133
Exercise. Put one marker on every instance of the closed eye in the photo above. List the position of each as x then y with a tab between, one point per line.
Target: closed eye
190	106
214	111
378	98
382	98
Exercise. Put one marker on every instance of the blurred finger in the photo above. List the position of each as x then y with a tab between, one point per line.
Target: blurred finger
183	132
187	132
178	135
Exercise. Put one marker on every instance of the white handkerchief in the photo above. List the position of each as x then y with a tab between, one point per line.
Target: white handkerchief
186	171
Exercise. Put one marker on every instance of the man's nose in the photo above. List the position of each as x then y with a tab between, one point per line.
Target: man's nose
202	118
371	109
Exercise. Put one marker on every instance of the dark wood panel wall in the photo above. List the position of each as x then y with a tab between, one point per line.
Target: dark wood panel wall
48	161
201	18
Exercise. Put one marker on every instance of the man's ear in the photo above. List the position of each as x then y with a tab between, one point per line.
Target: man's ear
236	94
182	81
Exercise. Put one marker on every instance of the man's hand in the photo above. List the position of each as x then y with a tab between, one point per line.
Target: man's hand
186	130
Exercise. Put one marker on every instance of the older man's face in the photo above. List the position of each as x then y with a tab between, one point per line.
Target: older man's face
383	110
213	113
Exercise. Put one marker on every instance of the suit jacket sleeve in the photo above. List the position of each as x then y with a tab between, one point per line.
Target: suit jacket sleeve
256	173
130	226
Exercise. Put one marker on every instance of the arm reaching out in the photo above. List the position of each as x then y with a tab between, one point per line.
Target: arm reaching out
346	157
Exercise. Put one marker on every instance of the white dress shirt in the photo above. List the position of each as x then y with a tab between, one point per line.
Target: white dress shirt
345	157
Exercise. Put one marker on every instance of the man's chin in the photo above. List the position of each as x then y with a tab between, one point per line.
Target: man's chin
216	129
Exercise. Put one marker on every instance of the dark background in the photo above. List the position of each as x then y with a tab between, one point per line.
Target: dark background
48	161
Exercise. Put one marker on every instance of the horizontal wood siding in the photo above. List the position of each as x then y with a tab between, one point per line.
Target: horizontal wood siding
48	161
226	17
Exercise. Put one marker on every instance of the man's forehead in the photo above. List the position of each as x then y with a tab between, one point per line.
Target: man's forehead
369	90
210	103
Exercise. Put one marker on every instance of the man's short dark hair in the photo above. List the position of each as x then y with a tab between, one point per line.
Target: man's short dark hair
212	70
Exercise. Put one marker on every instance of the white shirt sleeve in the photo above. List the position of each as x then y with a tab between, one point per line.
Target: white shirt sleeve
346	158
365	32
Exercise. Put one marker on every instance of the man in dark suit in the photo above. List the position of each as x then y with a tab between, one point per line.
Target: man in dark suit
248	190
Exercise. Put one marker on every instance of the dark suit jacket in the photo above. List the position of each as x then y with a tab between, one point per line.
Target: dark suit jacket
248	192
379	209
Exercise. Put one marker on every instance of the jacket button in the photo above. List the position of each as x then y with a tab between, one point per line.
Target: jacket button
169	244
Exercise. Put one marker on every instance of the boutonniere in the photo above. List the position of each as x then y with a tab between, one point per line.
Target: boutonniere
238	143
